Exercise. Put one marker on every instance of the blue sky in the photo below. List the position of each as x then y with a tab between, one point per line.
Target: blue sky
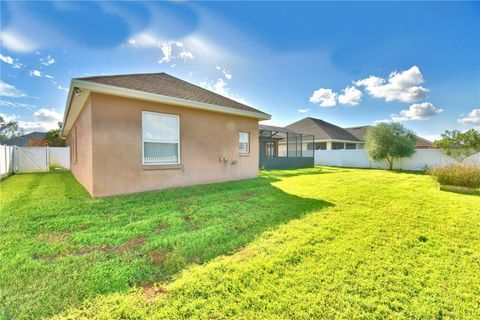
349	63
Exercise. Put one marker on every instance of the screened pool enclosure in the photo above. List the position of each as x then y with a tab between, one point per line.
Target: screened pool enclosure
282	148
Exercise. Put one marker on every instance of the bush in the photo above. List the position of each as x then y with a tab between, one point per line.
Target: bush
463	175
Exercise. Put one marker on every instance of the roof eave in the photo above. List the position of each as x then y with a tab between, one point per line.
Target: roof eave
142	95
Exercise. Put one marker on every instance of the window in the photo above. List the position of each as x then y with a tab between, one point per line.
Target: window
318	146
338	145
350	146
244	142
161	138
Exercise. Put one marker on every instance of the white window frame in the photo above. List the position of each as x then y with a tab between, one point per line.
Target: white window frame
160	141
248	152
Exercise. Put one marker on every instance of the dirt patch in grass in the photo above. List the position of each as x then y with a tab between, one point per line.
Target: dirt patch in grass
52	237
161	226
158	257
151	292
112	249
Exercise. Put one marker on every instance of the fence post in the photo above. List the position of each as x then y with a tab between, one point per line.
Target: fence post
47	159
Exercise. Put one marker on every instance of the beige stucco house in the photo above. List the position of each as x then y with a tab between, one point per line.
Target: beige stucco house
141	132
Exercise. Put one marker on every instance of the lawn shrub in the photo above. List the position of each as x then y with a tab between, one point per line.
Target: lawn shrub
464	175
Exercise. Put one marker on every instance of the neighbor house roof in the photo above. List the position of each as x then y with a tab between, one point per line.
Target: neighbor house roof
275	128
157	87
361	131
22	141
322	130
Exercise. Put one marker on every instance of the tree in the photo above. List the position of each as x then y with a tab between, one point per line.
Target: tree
9	129
459	145
53	138
36	143
390	141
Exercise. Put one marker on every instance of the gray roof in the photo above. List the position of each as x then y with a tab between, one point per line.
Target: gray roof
22	141
275	129
167	85
322	130
358	132
361	131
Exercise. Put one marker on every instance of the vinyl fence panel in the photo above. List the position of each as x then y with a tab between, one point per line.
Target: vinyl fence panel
59	157
31	159
6	161
359	159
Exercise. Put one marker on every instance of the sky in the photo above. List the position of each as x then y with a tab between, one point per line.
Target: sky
349	63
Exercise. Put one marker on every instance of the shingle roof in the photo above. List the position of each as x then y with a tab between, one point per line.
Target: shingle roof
358	132
361	131
22	141
274	128
322	130
167	85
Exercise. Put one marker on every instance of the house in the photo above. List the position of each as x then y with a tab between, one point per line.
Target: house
331	137
141	132
327	135
283	148
360	133
23	141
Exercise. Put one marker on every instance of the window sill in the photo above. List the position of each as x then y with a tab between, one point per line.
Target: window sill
162	167
244	154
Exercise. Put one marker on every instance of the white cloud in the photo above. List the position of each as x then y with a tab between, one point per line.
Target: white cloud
417	111
167	52
15	105
15	42
8	118
324	97
226	73
47	61
401	86
45	120
59	87
144	40
303	110
36	73
39	74
11	61
185	55
473	117
8	90
171	51
351	96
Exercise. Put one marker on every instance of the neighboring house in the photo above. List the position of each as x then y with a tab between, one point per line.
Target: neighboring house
141	132
22	141
327	135
360	133
331	137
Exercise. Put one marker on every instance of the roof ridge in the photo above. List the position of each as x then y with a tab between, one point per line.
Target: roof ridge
123	75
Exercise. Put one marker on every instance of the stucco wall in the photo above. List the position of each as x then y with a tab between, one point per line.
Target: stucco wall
204	138
82	167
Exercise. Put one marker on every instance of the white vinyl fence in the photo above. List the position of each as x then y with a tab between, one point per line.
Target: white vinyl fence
33	159
6	161
359	159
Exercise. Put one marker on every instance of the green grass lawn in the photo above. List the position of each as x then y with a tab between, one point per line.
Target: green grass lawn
303	244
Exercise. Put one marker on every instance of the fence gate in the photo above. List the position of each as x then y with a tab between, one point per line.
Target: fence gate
31	159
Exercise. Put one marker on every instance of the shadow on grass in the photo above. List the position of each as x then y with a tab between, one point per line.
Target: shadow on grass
112	244
278	174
